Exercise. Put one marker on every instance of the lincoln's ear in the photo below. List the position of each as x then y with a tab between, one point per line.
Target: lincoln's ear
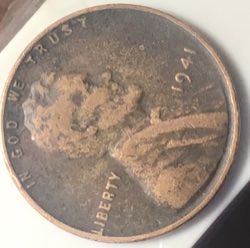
155	115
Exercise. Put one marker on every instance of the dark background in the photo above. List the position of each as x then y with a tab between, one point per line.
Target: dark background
232	228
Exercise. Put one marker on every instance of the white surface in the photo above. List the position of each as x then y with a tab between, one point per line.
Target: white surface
225	22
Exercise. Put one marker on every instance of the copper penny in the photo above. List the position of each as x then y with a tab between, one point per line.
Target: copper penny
119	123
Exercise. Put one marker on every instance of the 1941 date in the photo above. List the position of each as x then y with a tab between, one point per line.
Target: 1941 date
183	76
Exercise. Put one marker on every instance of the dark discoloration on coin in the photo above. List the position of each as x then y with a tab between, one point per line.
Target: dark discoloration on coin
119	123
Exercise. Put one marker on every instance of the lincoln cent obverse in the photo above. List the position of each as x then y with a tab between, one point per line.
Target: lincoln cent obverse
119	123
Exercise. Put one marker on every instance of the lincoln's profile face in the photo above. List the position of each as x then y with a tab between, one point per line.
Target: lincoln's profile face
69	115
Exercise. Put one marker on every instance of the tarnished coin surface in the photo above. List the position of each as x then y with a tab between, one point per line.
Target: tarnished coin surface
119	123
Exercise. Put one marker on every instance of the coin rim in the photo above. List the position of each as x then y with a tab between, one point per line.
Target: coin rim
234	126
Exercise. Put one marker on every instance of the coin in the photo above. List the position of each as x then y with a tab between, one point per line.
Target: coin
119	123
